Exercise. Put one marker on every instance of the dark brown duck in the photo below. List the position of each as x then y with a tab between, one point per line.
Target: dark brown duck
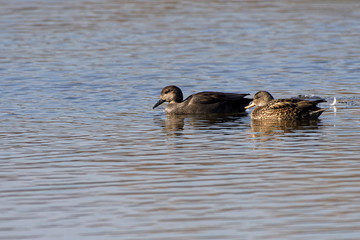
283	109
202	102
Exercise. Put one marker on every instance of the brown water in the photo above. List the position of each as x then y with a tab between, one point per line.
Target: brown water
84	156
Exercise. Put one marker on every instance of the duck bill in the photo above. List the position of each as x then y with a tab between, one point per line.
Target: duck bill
250	105
158	103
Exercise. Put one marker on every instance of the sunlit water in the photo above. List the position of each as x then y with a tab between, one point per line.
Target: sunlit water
84	155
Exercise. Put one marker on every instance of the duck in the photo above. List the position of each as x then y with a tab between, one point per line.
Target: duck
268	108
202	102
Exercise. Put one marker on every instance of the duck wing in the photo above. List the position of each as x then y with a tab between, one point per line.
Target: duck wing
215	97
294	103
282	103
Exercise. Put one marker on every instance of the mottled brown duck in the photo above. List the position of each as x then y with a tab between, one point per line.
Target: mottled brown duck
284	109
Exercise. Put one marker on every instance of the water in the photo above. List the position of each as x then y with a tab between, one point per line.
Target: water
84	155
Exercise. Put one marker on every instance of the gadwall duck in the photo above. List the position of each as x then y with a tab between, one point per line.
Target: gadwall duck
284	109
202	102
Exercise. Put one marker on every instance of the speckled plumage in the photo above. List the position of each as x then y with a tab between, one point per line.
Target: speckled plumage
202	102
284	109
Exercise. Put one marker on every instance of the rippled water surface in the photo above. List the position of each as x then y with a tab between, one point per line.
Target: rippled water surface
84	155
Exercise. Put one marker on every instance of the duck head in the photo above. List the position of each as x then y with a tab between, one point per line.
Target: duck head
170	94
261	98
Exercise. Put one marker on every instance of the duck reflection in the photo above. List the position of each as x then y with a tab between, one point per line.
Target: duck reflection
270	130
175	124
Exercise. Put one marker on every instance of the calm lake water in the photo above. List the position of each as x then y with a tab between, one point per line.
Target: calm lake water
84	155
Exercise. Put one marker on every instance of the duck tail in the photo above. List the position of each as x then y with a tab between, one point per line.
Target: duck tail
315	114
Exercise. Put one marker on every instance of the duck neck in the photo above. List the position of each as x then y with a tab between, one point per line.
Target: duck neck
178	97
